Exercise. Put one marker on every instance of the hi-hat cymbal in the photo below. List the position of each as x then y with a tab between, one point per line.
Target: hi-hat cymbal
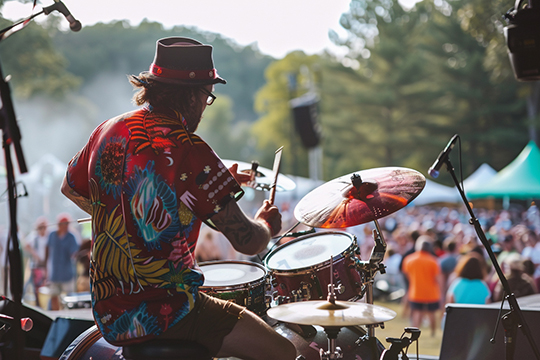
263	178
323	313
373	194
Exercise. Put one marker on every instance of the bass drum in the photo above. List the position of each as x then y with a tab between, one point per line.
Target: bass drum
91	345
309	340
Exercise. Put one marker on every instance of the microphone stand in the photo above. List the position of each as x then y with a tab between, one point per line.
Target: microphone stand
513	319
11	136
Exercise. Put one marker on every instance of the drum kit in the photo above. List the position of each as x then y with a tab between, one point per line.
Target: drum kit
314	289
318	280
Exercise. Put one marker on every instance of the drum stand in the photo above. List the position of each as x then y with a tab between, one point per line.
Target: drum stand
334	352
368	270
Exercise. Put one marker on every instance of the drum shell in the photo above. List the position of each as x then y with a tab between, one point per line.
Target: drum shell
252	294
311	283
91	345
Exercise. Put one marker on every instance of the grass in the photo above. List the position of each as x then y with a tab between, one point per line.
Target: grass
428	344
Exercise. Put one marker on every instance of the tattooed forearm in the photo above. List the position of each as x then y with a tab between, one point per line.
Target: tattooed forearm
246	235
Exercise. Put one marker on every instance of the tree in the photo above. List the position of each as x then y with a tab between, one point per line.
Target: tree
130	50
429	79
36	67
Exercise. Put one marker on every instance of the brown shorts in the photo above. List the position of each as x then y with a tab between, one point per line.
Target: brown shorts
208	323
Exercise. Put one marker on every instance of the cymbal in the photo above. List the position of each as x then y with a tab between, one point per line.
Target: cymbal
324	313
263	178
359	197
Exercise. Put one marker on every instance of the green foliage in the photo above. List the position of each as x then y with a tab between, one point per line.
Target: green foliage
36	67
413	79
275	127
229	139
120	47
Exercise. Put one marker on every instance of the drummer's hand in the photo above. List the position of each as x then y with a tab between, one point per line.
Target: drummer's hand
241	178
270	214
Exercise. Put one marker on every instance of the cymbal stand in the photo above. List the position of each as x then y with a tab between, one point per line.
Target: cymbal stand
334	352
368	270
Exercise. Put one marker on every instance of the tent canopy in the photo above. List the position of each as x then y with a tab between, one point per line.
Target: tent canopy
518	180
480	177
434	192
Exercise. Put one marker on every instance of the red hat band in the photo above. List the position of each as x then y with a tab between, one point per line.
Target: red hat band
182	74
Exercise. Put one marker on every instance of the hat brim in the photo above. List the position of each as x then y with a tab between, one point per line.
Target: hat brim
217	80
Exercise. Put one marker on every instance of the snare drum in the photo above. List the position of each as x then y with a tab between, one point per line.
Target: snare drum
300	269
242	282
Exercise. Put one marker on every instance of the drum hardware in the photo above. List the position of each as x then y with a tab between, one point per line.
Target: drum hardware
332	315
398	345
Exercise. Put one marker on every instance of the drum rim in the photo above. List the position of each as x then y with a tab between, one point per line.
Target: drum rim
317	266
247	285
81	345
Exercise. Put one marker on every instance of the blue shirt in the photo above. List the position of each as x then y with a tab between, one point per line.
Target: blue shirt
467	291
61	251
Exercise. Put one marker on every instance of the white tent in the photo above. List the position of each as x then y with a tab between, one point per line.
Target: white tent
480	177
434	192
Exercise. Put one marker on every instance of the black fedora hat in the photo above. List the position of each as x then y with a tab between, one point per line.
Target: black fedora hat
183	61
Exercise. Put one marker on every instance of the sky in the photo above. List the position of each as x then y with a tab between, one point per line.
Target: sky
277	26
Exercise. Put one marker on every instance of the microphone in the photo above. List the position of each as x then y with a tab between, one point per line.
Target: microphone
434	169
74	25
26	323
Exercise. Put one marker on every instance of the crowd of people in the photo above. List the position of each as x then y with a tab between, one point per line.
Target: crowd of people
437	257
55	261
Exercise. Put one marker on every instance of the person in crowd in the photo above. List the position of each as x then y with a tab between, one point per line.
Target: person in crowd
83	266
469	286
61	249
149	182
507	248
531	250
36	248
413	237
448	261
424	275
520	284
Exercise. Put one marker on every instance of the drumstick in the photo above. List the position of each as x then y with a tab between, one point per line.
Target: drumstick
84	220
277	161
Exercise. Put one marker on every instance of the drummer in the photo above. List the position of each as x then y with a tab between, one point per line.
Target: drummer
148	181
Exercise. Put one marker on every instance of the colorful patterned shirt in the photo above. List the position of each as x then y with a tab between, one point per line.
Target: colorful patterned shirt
151	183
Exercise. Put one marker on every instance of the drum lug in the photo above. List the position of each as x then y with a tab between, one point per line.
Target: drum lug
340	289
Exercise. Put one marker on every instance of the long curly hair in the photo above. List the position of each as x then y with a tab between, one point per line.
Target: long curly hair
184	99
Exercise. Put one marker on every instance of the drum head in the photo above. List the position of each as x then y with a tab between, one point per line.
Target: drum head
225	273
308	251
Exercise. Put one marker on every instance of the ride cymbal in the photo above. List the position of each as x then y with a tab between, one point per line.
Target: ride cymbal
324	313
263	178
359	197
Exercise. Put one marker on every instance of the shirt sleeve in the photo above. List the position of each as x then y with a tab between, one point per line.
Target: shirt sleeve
209	184
77	170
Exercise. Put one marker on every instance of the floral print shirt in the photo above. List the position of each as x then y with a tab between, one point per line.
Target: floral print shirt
150	183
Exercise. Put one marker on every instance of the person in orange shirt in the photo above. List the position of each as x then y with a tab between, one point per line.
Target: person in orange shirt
424	275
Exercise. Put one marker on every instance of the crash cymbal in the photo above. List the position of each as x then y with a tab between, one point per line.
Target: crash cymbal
324	313
264	177
374	194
